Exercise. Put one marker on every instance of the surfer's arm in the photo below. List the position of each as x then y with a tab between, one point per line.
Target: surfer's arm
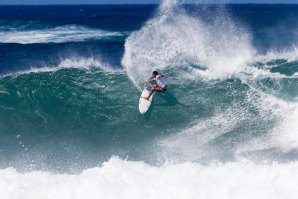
161	75
150	80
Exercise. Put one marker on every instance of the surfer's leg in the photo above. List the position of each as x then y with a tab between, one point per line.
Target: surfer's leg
151	92
159	89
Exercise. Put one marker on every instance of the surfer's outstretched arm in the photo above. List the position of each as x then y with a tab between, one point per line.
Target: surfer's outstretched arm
149	81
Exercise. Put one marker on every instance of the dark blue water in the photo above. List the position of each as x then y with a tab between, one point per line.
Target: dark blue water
108	18
71	78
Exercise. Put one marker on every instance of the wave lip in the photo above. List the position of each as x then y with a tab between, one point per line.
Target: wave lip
68	33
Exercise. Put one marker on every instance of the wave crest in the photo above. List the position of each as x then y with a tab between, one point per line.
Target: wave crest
70	63
62	34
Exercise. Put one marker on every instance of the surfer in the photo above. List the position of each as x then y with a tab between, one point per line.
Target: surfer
160	85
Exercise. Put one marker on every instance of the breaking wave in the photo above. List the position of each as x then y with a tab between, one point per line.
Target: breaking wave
62	34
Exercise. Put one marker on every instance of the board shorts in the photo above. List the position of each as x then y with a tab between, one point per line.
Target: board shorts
159	89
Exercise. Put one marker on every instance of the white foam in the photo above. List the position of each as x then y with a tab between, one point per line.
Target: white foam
290	55
77	63
271	109
174	38
285	134
192	143
123	179
69	33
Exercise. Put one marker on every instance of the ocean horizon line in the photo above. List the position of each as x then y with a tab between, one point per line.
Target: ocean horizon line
127	4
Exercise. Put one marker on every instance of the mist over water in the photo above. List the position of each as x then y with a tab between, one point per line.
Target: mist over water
226	127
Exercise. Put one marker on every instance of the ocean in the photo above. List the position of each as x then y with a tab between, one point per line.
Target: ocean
70	82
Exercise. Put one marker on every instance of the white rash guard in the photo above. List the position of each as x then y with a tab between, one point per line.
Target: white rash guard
160	81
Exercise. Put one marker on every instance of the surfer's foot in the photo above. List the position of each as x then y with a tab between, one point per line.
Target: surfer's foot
146	98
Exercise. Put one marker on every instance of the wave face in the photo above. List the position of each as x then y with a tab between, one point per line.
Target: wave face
226	127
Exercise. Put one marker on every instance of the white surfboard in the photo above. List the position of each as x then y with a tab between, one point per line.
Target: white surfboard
144	104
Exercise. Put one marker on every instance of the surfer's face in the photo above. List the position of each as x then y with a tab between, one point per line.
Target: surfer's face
153	75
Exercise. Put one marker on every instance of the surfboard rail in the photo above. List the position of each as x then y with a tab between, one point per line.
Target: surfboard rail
144	104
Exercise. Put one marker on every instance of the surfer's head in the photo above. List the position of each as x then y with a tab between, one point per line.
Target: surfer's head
154	73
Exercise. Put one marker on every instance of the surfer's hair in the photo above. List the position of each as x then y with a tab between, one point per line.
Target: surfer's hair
155	72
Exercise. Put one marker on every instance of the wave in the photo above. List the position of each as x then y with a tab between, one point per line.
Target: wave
69	63
226	127
67	33
289	55
174	38
221	96
124	179
193	49
191	144
224	101
204	45
86	97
